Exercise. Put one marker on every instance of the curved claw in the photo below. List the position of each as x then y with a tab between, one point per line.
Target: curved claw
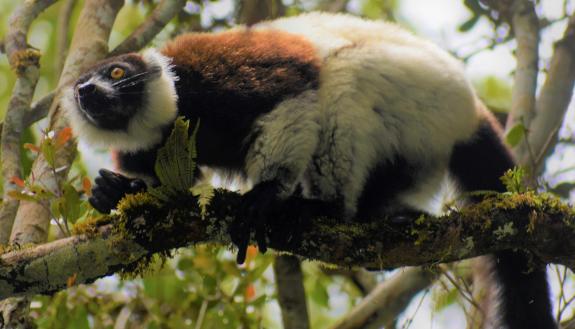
256	211
110	187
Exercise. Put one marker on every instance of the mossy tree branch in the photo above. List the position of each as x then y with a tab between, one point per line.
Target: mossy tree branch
538	224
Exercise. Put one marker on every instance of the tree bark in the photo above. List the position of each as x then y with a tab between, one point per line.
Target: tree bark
540	225
291	293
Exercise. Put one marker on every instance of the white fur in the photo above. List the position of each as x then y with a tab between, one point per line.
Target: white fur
144	129
288	138
382	92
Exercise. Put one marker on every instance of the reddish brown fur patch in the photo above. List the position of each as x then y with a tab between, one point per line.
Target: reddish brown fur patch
252	61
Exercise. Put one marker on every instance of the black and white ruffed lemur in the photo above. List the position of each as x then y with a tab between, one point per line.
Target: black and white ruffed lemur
329	107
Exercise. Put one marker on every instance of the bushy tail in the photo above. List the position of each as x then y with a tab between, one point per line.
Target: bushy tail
523	290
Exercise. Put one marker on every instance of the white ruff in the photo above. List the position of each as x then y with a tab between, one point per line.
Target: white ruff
144	128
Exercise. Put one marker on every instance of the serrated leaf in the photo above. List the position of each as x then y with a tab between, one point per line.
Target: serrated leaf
162	192
205	193
515	134
176	160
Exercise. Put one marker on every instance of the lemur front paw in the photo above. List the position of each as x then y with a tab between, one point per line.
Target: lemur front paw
258	208
110	187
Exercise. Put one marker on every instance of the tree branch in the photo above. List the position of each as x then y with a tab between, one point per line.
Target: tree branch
62	28
526	29
291	293
162	14
25	61
89	44
538	224
393	295
555	96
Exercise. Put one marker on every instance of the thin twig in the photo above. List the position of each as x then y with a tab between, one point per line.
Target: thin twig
162	14
62	28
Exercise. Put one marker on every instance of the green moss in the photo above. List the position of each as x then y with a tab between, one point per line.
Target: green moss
6	248
144	265
91	224
24	58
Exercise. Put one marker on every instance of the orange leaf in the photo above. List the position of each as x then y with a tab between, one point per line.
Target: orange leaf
87	186
64	135
252	251
250	292
17	181
31	147
71	280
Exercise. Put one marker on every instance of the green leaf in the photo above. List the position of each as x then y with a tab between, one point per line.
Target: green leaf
513	179
469	24
442	299
515	134
205	192
495	93
49	151
319	295
175	164
79	319
72	210
56	207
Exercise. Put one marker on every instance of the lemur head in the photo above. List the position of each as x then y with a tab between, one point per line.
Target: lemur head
123	102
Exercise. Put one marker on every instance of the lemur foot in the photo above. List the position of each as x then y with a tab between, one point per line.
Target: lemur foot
259	207
110	187
272	218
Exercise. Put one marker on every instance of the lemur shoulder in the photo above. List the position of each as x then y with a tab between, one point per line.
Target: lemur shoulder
360	114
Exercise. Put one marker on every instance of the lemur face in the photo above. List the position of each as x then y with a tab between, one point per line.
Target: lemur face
124	102
110	94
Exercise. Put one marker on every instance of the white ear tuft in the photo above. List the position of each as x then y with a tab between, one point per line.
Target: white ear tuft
153	57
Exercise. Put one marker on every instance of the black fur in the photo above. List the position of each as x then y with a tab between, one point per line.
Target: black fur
227	114
525	302
382	186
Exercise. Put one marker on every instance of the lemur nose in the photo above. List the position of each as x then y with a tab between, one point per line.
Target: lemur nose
86	88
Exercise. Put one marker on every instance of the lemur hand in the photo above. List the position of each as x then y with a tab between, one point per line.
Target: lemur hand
110	187
259	207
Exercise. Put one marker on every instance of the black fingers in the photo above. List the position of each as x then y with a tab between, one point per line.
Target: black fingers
257	211
110	188
240	235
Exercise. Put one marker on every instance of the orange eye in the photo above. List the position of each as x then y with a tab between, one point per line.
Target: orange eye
117	73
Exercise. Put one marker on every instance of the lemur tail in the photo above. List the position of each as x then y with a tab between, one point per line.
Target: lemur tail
523	289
